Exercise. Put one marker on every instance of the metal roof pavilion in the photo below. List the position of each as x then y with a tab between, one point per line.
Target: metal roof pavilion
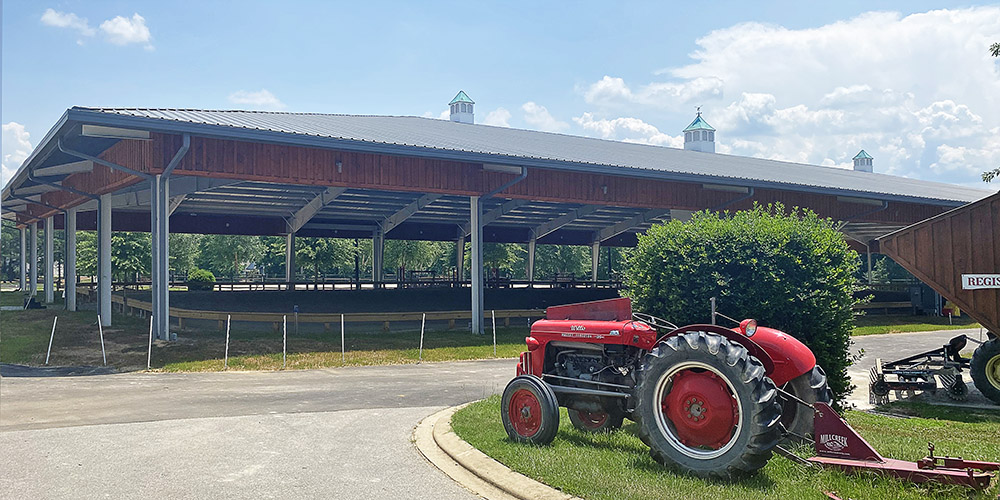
401	177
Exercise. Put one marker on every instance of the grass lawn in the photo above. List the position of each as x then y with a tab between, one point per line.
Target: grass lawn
618	466
874	325
24	337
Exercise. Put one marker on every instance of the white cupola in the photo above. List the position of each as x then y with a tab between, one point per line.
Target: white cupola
699	136
863	162
461	108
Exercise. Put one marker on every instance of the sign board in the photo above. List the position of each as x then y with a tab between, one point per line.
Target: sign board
979	281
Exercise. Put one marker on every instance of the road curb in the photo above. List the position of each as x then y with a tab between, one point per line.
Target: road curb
471	468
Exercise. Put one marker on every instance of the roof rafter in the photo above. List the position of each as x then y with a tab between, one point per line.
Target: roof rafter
491	216
625	225
406	212
550	226
299	218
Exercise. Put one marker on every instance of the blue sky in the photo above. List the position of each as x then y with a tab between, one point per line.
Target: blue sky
910	82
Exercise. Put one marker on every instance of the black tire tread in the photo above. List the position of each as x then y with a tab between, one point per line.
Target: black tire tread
766	412
977	368
549	406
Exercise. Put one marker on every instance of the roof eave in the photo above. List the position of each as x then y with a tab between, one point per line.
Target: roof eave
81	115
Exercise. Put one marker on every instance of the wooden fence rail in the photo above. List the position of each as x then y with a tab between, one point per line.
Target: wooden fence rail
131	305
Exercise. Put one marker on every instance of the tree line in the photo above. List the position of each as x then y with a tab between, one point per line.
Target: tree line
237	256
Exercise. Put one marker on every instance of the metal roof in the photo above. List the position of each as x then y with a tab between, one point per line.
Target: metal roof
862	155
418	136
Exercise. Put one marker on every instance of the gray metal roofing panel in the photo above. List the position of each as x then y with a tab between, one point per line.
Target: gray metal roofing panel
429	133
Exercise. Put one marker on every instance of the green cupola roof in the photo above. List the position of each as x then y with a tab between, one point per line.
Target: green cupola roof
699	123
863	155
461	97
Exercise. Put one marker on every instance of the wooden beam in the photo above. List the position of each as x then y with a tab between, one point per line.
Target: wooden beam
625	225
408	211
491	216
299	218
572	215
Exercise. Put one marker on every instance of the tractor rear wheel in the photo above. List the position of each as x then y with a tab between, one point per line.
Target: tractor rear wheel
603	421
705	406
529	410
985	369
797	418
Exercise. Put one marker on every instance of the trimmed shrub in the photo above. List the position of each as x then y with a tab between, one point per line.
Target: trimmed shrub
790	271
200	279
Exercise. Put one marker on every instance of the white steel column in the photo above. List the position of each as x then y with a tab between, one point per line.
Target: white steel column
22	276
154	264
477	264
70	259
33	245
50	264
378	252
290	261
532	243
595	254
460	258
104	258
163	275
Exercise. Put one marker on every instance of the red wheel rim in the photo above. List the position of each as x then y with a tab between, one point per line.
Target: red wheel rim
701	408
525	413
592	420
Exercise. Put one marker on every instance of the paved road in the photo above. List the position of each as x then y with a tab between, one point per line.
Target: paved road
337	433
899	345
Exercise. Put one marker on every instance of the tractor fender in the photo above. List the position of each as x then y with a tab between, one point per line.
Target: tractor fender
790	356
755	349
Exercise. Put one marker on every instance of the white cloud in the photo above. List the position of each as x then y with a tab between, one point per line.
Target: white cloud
260	99
121	30
499	117
628	130
611	91
538	117
919	92
69	20
16	148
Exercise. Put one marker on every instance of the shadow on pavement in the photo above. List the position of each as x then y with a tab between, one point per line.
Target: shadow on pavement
9	370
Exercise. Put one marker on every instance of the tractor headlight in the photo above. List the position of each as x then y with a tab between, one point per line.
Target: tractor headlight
748	327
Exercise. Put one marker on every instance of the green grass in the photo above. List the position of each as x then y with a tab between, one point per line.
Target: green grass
618	466
262	351
24	337
875	325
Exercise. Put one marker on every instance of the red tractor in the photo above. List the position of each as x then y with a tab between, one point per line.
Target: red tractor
707	399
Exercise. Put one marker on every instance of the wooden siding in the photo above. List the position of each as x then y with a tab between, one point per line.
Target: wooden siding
963	241
317	167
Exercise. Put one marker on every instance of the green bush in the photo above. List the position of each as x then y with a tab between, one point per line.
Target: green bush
790	271
200	279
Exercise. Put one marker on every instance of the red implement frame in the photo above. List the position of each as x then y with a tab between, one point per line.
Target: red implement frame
838	445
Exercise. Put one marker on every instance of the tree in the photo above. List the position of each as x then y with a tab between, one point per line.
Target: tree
551	260
130	255
989	175
184	249
790	271
10	250
228	255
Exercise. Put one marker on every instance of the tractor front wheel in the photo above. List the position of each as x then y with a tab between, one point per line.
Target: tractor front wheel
797	418
705	406
985	369
529	410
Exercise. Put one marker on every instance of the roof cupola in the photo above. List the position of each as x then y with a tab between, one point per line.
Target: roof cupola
699	136
461	108
863	162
